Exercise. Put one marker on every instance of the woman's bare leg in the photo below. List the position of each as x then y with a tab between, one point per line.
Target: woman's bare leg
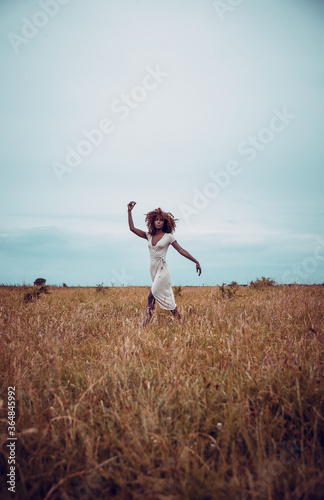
149	309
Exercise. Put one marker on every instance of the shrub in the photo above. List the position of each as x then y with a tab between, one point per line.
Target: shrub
100	288
39	282
227	293
33	296
262	283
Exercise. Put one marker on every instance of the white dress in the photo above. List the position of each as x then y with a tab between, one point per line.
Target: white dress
160	274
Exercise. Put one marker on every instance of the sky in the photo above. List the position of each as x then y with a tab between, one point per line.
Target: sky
211	110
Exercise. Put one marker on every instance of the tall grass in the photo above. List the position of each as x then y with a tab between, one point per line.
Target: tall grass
226	404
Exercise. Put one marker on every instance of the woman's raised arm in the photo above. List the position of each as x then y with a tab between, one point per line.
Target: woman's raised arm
139	232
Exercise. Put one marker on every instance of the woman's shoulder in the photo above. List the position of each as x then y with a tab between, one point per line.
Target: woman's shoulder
171	237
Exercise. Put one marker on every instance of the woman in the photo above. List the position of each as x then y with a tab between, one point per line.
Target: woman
159	235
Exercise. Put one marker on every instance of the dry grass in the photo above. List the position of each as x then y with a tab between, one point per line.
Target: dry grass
228	404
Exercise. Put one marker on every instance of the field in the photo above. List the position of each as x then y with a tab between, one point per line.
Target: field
227	404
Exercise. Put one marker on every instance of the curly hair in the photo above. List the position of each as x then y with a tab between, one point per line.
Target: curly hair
169	221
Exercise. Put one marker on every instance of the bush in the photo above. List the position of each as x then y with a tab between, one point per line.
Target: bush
227	293
100	288
33	296
262	283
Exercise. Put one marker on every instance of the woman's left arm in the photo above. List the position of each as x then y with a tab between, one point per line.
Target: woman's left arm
186	254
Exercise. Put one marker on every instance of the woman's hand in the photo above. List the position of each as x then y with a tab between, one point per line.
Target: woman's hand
131	205
198	269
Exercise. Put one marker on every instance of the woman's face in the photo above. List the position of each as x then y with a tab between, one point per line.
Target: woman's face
159	221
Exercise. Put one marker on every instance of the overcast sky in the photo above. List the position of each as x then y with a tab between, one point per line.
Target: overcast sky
211	111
